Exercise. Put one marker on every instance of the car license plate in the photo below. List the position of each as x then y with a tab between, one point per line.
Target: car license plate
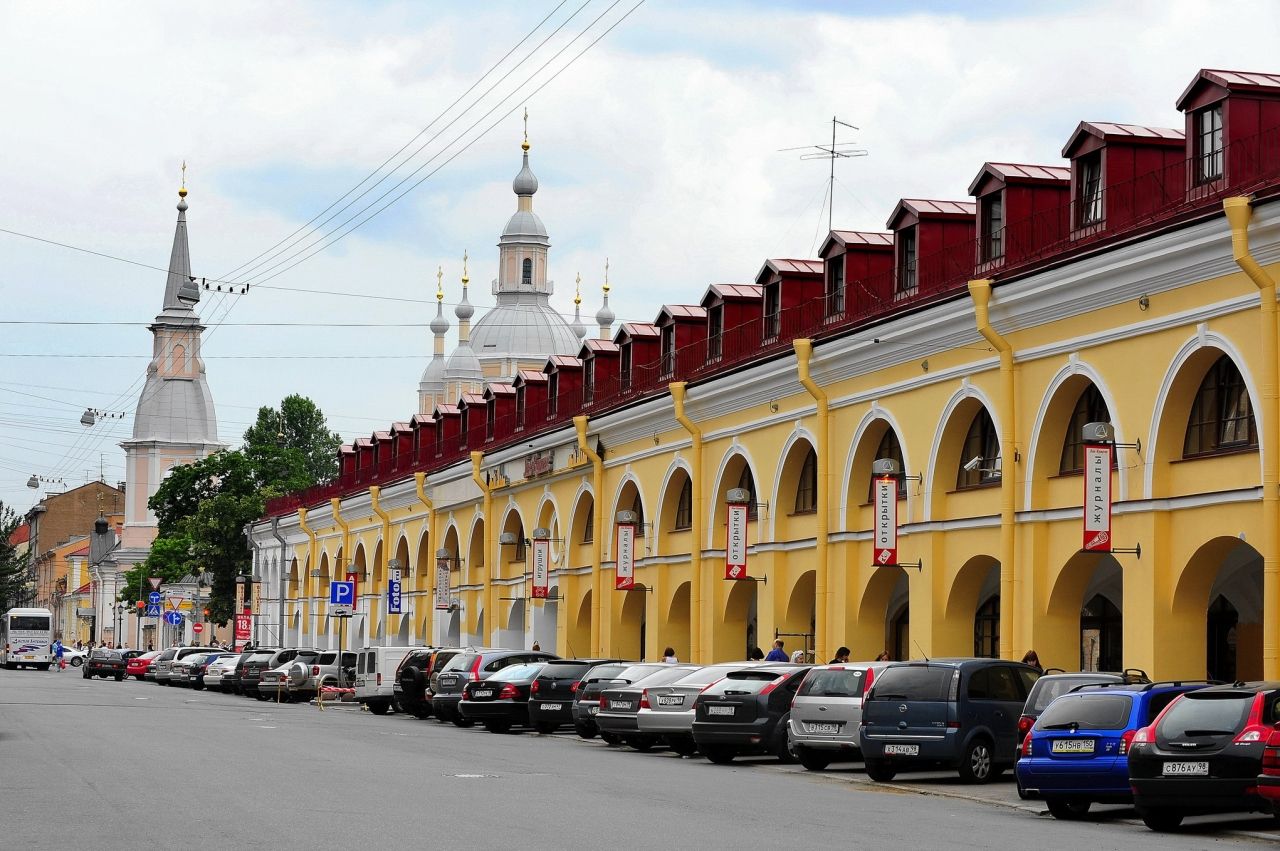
1072	746
719	710
619	704
1184	768
901	750
28	658
551	707
482	693
822	728
671	700
593	710
448	681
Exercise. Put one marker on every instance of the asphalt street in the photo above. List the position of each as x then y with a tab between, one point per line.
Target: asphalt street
106	765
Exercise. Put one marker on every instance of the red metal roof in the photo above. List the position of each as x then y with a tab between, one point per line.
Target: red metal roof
445	409
400	428
1233	81
925	209
421	420
637	329
499	389
683	311
528	375
21	535
382	435
863	237
737	291
1120	132
564	362
83	551
86	588
470	399
362	442
599	346
346	447
1022	173
803	267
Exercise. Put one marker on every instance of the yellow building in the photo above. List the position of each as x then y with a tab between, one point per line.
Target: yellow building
970	343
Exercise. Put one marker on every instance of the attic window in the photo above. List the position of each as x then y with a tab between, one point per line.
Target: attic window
835	285
715	332
772	309
490	419
1208	144
526	273
589	381
991	220
668	350
907	257
625	366
1089	190
520	397
553	394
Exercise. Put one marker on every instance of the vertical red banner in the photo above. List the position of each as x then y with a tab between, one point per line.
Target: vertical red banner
886	508
1097	497
735	551
624	576
541	568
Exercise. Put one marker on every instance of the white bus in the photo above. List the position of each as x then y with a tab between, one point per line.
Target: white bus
26	636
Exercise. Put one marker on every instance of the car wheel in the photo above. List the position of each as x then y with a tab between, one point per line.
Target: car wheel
77	662
119	678
545	727
459	721
880	770
585	732
813	760
719	754
976	765
1162	821
378	708
1067	809
610	739
644	744
682	745
498	726
780	747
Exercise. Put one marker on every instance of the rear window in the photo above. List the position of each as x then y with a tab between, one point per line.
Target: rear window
517	673
605	672
743	682
262	657
1221	713
913	682
564	669
1087	712
1048	689
463	661
704	676
824	682
662	677
632	673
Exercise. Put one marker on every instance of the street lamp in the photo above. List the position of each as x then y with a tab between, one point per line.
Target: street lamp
35	481
92	415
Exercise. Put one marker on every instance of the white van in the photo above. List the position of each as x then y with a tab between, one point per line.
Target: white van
376	674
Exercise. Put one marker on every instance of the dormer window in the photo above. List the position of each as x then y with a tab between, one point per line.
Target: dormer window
526	272
907	259
991	216
439	436
715	332
668	350
835	286
490	419
1089	191
1208	144
520	403
466	426
589	381
772	309
624	375
553	394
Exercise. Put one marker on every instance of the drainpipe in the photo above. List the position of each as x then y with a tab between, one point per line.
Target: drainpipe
804	354
312	555
375	503
697	535
280	580
980	291
597	531
420	482
491	614
1238	214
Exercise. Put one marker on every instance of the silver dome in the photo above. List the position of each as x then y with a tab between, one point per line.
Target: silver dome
525	226
176	411
523	327
525	183
463	365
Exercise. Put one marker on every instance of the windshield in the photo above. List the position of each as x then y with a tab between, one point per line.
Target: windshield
913	682
1087	712
825	682
743	682
605	672
1048	689
1221	713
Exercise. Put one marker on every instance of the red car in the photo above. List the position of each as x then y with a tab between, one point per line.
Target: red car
139	665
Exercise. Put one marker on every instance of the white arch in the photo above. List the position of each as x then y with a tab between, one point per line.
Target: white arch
797	434
967	391
1071	369
555	526
617	496
512	507
677	463
870	418
735	449
1205	339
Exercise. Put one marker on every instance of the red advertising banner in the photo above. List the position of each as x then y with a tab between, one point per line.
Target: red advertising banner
624	575
244	627
1097	497
735	551
541	568
886	507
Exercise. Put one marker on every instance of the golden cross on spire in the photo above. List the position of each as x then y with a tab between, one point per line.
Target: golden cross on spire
182	190
439	283
525	144
465	279
606	275
577	294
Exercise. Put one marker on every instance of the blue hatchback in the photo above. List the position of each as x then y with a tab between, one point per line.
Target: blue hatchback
1077	752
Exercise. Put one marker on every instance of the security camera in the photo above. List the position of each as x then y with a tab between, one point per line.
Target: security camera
973	463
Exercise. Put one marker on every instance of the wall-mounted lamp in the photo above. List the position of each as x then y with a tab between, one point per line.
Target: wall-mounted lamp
1143	302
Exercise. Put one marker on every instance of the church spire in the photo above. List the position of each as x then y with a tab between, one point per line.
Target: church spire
180	293
604	316
464	311
439	325
578	328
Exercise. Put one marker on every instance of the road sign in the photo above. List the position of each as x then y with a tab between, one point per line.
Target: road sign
175	603
153	611
340	611
173	618
393	597
197	628
342	593
155	582
153	598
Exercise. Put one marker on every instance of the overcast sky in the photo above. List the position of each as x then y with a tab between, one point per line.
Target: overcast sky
657	149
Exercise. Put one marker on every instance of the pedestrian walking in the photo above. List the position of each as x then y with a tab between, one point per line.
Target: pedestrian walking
778	653
1032	658
58	654
669	656
842	656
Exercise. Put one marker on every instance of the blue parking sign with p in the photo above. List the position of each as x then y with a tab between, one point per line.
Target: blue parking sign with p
393	597
342	593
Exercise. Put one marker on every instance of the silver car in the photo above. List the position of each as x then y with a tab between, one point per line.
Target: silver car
276	682
827	711
163	667
670	710
213	676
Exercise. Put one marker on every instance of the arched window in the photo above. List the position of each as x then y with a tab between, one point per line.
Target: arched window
1221	417
1090	408
807	485
684	507
638	507
526	272
589	526
986	629
748	481
891	449
983	444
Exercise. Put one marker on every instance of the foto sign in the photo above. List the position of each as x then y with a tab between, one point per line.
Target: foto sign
541	568
442	584
735	552
886	506
624	575
393	597
1097	497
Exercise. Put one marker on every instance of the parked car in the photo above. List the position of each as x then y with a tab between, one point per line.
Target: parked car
102	662
620	705
1077	752
827	712
307	675
1269	779
945	713
139	666
551	694
273	683
263	659
747	712
218	669
669	713
501	701
586	700
1054	683
411	690
230	682
162	668
198	667
1203	754
375	669
469	667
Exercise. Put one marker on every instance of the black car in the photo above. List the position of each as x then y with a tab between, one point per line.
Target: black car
1203	754
586	698
747	712
412	688
251	669
102	662
620	706
230	683
471	666
501	701
957	714
552	693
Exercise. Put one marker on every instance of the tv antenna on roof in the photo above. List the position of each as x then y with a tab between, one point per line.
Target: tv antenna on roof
835	151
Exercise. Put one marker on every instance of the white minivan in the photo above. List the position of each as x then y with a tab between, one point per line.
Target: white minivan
376	675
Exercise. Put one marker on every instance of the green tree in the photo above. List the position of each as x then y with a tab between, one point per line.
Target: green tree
13	567
291	447
171	558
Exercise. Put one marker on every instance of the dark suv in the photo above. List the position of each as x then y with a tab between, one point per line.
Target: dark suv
468	667
945	713
261	661
551	695
747	712
1204	754
412	688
